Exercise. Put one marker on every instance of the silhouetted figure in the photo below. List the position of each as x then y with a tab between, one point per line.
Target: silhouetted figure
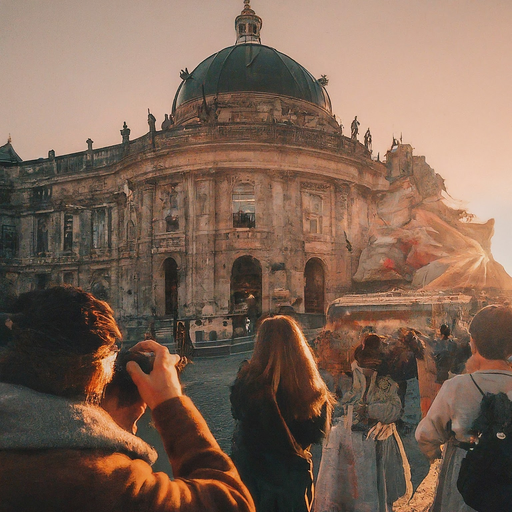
125	133
368	139
354	128
151	122
167	122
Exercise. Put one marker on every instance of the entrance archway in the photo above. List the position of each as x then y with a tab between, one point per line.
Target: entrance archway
171	287
245	297
314	289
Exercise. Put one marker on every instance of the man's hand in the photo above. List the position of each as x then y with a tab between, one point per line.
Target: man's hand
162	383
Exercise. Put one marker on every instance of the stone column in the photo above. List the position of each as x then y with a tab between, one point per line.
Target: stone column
145	289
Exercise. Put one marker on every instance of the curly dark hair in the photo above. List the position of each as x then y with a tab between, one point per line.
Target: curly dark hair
61	337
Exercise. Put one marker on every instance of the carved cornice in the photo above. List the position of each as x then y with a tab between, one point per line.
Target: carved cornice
318	187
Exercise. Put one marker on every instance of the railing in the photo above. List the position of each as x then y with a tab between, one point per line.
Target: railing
244	220
197	134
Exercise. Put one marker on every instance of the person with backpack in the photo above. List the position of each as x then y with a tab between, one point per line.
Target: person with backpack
452	416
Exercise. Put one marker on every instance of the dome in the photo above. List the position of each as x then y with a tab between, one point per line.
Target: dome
251	67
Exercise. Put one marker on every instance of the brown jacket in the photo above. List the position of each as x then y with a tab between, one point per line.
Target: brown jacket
103	479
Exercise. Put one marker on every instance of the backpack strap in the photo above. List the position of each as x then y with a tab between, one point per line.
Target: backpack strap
474	382
494	373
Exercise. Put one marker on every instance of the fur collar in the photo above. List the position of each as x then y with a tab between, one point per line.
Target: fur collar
35	421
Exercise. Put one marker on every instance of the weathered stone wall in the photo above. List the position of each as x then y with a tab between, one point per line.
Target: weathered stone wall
135	207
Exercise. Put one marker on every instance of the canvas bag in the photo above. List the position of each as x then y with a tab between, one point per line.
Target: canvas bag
485	477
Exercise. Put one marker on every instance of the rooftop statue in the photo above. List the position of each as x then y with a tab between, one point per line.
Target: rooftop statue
167	122
323	80
151	122
354	128
184	74
125	133
368	139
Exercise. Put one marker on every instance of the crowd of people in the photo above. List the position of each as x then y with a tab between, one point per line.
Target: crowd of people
70	399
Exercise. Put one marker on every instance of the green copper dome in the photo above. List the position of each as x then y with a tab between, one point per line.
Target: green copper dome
251	67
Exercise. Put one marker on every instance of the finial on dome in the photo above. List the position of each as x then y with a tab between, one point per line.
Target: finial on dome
248	25
9	139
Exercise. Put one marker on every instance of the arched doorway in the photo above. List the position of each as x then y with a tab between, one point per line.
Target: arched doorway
171	287
314	289
245	297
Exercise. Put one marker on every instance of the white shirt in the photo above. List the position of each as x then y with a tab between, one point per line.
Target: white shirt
456	407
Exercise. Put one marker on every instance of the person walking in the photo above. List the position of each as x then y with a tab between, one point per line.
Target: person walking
364	466
457	405
281	406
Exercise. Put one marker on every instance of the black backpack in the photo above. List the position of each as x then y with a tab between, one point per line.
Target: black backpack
485	477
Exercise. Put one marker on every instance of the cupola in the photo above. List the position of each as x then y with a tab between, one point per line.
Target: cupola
248	25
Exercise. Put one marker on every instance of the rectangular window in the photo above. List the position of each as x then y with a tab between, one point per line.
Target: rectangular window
244	206
41	195
9	247
42	236
99	228
313	213
68	232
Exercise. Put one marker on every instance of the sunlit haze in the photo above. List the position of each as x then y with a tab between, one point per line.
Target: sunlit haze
437	73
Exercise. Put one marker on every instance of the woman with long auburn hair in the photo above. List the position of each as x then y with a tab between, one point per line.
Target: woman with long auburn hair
281	406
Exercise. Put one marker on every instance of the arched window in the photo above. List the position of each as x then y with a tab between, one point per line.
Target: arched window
246	291
244	206
130	231
314	289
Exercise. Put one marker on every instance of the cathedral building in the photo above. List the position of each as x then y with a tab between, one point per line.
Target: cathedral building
249	199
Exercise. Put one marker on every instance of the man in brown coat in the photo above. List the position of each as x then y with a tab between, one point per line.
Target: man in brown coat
59	451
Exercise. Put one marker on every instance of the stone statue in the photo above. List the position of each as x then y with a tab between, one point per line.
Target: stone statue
167	122
184	74
89	144
323	80
368	139
125	133
151	122
354	128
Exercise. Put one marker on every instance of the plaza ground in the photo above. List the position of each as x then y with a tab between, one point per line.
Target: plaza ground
207	382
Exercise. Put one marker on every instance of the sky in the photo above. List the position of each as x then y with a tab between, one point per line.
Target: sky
436	72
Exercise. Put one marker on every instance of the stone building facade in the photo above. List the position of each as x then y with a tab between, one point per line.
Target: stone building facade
248	199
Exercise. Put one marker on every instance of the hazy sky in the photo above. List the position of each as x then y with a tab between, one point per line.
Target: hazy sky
437	71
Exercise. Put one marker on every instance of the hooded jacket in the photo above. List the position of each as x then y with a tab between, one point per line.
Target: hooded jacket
62	455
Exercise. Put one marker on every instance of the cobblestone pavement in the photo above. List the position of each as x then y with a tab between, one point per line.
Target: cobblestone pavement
206	381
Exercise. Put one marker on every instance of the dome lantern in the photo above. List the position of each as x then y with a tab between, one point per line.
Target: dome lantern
248	26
